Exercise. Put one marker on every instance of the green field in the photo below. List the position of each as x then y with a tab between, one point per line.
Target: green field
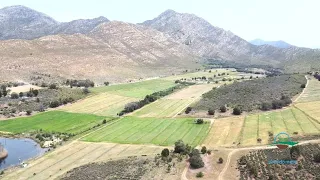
290	120
136	90
164	132
52	121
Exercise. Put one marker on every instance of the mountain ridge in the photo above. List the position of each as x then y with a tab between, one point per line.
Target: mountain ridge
278	44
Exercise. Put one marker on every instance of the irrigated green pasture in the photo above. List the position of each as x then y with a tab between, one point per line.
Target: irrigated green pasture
52	121
136	90
134	130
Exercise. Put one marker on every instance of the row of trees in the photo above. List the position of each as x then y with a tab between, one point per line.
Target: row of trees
80	83
276	104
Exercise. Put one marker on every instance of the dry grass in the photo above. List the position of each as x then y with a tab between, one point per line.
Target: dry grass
76	154
104	104
24	88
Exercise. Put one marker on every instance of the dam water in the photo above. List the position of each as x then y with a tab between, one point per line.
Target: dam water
19	150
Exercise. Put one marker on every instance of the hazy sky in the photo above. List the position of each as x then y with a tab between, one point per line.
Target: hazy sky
294	21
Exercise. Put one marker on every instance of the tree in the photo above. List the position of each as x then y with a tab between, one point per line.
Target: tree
29	112
188	110
165	152
21	94
53	86
250	77
199	121
223	109
203	150
14	95
196	161
54	104
179	147
104	121
35	92
211	111
220	160
237	111
106	83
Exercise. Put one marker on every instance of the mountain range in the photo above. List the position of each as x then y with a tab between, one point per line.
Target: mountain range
34	43
278	44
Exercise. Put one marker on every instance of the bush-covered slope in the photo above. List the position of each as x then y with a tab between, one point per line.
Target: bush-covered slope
251	94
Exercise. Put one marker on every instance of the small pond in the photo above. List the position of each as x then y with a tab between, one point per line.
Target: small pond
19	150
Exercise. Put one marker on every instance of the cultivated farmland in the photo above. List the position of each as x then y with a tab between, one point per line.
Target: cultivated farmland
225	132
311	109
291	120
136	90
311	92
52	121
75	154
247	130
175	103
104	104
166	132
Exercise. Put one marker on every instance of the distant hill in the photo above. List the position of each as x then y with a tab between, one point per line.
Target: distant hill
212	42
20	22
278	44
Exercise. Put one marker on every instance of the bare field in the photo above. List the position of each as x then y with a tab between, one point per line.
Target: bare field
76	154
24	88
192	92
103	104
224	132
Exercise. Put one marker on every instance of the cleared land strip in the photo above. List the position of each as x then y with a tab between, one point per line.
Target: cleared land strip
228	132
104	104
76	154
159	131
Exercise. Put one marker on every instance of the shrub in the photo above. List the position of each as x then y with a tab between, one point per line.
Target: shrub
21	94
237	111
294	152
199	121
211	111
29	112
14	95
104	121
317	157
188	110
203	150
196	161
179	147
54	104
209	152
199	175
53	86
223	109
13	111
266	106
165	152
106	83
85	91
220	160
303	86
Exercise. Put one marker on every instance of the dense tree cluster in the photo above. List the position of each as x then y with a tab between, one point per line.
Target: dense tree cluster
80	83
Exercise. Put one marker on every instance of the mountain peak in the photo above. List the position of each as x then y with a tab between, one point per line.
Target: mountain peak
278	44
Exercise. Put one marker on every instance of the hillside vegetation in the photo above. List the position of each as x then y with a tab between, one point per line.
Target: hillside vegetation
250	95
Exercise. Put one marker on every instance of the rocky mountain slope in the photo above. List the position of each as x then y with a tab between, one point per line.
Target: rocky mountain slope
113	51
19	22
212	42
278	44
